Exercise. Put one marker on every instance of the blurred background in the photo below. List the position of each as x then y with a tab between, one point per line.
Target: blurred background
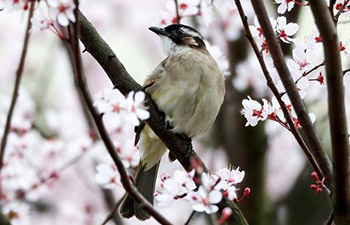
52	155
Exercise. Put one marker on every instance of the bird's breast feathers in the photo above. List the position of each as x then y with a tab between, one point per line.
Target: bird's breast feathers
189	88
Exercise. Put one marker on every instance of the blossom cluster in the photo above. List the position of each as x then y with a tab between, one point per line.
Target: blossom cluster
186	9
34	157
203	194
120	115
46	13
254	112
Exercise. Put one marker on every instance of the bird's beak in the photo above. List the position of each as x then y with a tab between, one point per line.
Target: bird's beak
159	31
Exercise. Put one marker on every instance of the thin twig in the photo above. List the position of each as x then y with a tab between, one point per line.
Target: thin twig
19	73
190	218
178	18
82	86
313	69
275	91
336	111
312	138
336	17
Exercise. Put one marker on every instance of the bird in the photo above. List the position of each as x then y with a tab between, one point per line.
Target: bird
188	87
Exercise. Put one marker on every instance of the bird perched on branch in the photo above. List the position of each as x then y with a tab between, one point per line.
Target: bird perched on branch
188	87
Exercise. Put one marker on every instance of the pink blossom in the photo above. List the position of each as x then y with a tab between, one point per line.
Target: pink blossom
107	175
63	10
135	108
286	30
206	198
254	112
284	5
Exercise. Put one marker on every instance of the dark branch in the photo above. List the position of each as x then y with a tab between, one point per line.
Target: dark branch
82	86
179	146
336	111
312	138
190	218
275	91
178	18
19	73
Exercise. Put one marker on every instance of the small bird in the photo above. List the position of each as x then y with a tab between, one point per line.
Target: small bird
188	87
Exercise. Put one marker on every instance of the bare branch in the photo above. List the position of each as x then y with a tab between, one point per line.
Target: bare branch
19	73
279	61
336	111
179	146
275	91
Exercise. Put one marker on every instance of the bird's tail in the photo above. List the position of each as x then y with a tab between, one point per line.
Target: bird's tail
152	150
145	183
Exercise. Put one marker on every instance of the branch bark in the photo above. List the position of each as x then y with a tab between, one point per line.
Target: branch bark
336	111
179	146
19	73
276	52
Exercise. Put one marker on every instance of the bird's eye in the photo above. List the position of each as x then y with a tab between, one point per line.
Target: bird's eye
180	32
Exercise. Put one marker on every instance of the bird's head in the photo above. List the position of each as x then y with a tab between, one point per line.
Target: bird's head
176	37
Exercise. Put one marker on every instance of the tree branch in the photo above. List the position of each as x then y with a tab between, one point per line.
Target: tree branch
19	73
82	86
276	52
336	111
179	146
178	18
275	91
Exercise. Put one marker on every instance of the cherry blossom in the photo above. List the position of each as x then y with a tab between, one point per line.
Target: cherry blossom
286	30
186	9
172	188
41	20
135	108
63	10
107	175
284	5
254	112
130	110
206	198
14	4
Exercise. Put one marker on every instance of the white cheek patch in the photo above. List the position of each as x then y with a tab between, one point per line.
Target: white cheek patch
168	45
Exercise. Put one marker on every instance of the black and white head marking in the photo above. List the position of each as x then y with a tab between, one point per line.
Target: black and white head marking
176	37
